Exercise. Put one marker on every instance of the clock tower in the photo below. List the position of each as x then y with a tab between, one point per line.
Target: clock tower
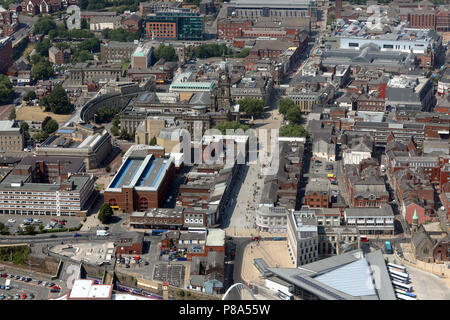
223	91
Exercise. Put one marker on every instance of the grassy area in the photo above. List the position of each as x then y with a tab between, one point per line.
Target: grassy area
35	113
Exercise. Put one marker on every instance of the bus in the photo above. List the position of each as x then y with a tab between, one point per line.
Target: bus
399	279
404	297
396	267
285	295
402	286
388	248
406	293
398	273
196	230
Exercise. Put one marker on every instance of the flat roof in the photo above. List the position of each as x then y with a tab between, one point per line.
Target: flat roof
216	237
141	173
86	289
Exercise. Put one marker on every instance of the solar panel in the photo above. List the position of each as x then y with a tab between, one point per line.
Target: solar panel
322	289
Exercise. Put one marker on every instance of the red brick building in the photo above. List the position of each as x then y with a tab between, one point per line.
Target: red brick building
6	54
140	183
132	245
133	23
231	28
371	102
441	250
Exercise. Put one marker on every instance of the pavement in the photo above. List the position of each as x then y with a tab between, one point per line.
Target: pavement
93	253
274	253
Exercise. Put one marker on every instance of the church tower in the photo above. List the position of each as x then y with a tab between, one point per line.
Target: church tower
415	223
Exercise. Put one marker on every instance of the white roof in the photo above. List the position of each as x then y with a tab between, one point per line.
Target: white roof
215	238
86	289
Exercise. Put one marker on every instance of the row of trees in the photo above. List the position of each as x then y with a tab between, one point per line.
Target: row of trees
251	107
121	35
217	50
6	88
234	125
291	112
165	52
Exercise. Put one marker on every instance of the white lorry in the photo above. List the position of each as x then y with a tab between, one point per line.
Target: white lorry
102	233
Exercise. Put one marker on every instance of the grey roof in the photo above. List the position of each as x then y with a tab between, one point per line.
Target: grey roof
384	288
201	98
384	210
324	278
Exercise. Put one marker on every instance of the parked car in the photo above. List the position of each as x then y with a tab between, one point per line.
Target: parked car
17	296
2	287
4	275
56	287
11	220
2	296
31	296
28	279
39	281
10	296
54	290
24	296
17	277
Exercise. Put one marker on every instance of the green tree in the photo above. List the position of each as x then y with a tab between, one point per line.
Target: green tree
121	35
91	45
43	46
165	52
29	229
105	214
44	123
84	24
294	115
59	102
51	126
115	131
331	19
6	88
30	95
284	104
293	130
44	25
12	114
251	107
233	125
42	70
153	141
25	127
81	56
40	136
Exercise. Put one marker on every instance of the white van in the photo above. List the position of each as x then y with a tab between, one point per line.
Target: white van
102	233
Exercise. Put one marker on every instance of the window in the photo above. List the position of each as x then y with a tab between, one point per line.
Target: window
143	204
112	202
353	44
388	46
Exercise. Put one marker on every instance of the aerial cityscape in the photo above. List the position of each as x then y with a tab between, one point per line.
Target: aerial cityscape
210	150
